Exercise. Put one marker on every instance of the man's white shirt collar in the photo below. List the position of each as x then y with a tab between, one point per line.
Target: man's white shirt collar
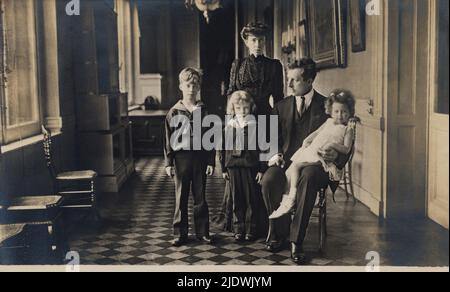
308	98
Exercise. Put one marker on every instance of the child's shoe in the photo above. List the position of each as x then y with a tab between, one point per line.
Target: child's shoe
286	206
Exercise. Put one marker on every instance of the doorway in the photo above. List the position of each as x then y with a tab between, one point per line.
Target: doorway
217	52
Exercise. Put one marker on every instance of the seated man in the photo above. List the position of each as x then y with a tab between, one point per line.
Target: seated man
299	116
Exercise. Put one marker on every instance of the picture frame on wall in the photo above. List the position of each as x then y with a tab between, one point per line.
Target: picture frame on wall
357	25
327	40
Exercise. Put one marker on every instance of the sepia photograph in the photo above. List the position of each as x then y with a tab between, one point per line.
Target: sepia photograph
242	136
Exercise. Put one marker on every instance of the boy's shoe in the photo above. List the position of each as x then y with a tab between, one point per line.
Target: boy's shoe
206	239
250	238
180	241
239	237
286	206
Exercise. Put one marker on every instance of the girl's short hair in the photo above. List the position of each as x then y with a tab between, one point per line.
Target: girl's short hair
191	75
341	96
240	97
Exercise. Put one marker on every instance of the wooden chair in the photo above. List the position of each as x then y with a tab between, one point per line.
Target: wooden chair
347	179
76	187
38	213
10	243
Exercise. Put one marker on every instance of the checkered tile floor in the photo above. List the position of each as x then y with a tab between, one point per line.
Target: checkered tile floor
137	230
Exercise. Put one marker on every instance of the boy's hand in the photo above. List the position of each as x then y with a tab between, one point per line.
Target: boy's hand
170	171
259	177
226	176
210	170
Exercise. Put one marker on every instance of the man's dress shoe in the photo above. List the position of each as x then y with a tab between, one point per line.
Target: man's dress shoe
275	246
297	254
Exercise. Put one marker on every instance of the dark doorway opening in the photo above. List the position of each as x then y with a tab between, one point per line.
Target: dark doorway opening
217	52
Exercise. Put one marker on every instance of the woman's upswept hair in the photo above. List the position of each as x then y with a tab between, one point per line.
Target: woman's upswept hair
240	97
341	96
255	28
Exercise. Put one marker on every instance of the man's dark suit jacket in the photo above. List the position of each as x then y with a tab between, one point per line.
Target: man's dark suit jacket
285	110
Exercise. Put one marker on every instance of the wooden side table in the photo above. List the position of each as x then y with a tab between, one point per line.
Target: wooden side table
148	126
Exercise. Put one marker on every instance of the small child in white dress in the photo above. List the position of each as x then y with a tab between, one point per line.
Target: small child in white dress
334	133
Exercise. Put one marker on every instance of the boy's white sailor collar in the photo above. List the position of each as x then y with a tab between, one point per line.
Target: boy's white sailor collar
237	124
180	106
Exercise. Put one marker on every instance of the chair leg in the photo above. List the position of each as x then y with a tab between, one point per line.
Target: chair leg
320	230
346	181
269	233
350	176
325	217
95	212
322	220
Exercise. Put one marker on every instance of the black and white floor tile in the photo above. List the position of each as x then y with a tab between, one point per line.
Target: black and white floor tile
137	230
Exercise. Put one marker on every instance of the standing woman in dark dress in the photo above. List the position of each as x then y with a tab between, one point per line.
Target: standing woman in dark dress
262	77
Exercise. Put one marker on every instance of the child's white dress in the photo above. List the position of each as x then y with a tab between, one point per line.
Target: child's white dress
331	133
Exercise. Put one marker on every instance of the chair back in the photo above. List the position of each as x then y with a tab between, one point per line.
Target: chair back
47	143
352	125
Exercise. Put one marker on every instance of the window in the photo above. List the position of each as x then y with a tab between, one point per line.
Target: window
19	94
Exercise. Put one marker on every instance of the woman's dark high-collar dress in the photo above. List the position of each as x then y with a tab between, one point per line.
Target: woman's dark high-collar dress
260	76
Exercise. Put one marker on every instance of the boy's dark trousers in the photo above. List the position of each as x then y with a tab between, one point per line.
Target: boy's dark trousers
190	173
245	192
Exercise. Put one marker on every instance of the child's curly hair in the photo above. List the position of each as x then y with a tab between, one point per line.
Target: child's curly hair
240	97
341	96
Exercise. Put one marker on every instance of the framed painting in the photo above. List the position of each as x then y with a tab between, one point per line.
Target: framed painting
358	25
327	32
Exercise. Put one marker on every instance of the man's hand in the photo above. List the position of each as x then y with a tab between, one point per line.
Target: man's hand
170	171
226	176
259	177
277	161
272	101
328	154
210	170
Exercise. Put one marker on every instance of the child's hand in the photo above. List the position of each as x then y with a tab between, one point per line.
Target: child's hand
226	176
259	177
170	171
210	170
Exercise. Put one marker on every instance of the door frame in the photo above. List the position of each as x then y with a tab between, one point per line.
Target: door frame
433	119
